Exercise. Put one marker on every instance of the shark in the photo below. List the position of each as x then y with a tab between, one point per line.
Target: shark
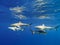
16	28
43	27
38	32
19	24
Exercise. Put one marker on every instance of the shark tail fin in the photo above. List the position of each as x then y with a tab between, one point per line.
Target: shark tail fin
30	24
56	27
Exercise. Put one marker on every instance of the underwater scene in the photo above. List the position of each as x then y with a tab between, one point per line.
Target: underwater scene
29	22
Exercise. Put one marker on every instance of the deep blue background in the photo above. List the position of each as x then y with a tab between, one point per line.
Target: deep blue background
8	37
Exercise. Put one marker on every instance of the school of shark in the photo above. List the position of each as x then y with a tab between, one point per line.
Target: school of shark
41	28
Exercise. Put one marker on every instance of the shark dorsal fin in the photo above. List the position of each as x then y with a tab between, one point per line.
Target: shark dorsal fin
43	25
20	22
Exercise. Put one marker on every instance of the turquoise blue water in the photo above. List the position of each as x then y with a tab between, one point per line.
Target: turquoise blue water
9	37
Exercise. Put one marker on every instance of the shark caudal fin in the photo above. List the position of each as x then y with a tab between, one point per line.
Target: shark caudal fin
30	24
57	27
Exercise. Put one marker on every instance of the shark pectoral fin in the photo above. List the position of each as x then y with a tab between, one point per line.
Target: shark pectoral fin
44	33
43	30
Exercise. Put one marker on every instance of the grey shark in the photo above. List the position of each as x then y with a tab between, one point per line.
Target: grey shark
16	28
38	32
19	24
43	27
